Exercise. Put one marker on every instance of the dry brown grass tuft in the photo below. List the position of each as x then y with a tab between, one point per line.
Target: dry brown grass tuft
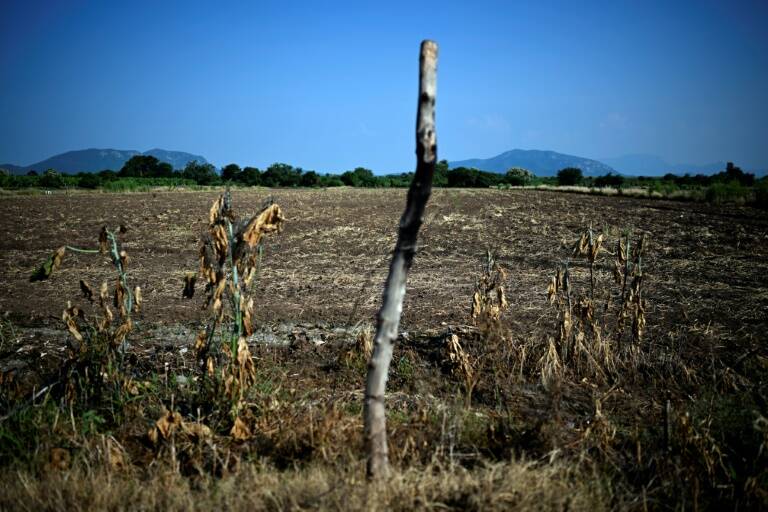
515	485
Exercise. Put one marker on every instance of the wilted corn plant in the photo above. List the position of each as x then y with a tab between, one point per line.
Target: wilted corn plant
460	364
489	299
359	353
590	348
489	302
97	345
230	256
581	343
628	266
589	247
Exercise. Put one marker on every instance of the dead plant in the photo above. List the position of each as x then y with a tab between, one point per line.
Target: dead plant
587	339
460	363
230	256
629	270
97	345
489	299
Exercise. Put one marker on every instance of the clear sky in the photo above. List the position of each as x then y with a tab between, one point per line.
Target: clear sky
332	85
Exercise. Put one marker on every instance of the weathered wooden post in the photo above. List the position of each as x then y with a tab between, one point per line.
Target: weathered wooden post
388	318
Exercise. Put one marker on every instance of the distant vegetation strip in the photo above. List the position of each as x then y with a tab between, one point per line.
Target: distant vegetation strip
144	172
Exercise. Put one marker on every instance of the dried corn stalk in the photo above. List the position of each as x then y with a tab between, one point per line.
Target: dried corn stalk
458	359
589	246
95	342
585	340
230	254
489	299
551	368
633	305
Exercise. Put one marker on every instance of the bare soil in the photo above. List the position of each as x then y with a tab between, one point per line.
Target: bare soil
706	264
706	287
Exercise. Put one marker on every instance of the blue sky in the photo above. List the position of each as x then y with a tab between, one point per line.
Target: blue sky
332	85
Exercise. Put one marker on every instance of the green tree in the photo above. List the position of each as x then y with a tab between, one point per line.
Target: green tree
281	175
141	166
488	179
441	174
462	177
5	178
569	176
250	176
609	180
360	177
331	180
107	175
51	179
310	179
734	173
517	176
231	172
164	170
89	180
202	174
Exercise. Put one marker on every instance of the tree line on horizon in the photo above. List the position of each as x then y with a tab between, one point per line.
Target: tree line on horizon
147	170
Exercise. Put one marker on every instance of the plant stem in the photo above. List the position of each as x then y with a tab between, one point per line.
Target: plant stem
591	266
84	251
115	253
238	328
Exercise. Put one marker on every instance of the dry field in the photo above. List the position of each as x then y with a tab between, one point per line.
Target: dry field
674	420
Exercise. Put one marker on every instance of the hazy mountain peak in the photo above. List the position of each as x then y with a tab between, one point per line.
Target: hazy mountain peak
540	162
98	159
643	164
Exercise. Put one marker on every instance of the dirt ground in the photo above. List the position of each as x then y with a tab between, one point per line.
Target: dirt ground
705	271
705	264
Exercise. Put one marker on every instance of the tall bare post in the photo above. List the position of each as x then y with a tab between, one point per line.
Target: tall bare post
388	318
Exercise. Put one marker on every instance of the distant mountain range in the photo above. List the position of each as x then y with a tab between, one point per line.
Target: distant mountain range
547	163
541	163
95	160
653	165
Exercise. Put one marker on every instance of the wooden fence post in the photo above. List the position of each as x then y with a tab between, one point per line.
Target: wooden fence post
388	318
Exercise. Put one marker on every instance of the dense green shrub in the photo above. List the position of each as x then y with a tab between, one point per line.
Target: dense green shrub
360	177
730	192
51	179
89	180
761	193
310	179
466	177
137	184
330	180
569	176
231	172
281	175
145	166
517	176
609	180
202	174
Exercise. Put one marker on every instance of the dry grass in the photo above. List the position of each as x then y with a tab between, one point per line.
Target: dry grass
636	192
516	485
